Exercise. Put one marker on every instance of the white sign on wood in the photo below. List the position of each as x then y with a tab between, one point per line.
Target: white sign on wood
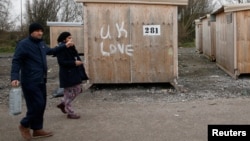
151	30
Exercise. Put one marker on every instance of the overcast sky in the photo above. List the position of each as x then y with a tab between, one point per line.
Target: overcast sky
16	4
16	8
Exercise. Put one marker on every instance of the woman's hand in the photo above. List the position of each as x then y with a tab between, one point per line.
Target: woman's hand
78	63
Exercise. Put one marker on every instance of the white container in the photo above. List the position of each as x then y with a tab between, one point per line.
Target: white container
15	101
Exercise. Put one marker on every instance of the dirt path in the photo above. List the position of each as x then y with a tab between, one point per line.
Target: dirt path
114	121
142	112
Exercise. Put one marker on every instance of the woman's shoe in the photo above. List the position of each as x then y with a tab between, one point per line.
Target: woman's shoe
62	107
73	116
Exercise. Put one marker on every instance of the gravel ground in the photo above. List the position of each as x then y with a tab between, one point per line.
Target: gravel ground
138	112
199	78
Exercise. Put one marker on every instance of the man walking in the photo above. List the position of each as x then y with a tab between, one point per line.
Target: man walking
30	59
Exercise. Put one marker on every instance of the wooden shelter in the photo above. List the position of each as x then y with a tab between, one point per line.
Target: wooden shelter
208	36
76	30
131	41
198	35
233	39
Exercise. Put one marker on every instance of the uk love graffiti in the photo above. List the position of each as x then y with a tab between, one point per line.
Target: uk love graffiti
115	47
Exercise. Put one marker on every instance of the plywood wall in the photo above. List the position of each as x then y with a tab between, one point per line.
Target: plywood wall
116	49
198	36
206	37
213	41
76	32
225	51
243	41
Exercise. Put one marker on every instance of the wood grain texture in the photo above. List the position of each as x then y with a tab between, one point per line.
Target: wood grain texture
117	50
76	32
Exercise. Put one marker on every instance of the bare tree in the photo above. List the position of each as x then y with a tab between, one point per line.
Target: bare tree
187	15
5	19
70	11
42	11
53	10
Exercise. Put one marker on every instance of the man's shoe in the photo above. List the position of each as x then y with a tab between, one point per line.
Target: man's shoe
73	116
25	132
62	107
41	133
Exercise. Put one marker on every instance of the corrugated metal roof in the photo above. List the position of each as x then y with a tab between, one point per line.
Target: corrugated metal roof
169	2
64	24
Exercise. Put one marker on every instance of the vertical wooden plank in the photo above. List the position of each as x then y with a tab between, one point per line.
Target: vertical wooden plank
213	41
154	56
225	43
108	43
87	55
142	56
243	41
206	26
230	45
198	36
235	45
175	45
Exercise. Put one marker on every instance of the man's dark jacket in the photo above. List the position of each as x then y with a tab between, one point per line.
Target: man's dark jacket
30	58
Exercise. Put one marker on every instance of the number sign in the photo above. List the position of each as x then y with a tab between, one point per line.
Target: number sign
151	30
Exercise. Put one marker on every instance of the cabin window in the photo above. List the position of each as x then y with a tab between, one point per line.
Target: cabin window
213	18
229	17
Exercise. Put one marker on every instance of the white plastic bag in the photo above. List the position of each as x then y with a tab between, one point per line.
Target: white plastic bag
15	101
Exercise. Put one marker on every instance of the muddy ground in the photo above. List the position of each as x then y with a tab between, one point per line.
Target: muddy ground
138	112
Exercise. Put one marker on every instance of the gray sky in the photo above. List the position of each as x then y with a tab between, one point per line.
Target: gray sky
16	8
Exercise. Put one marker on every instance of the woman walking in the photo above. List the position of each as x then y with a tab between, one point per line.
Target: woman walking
71	75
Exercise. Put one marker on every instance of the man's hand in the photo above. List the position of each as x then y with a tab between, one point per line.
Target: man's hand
15	83
70	43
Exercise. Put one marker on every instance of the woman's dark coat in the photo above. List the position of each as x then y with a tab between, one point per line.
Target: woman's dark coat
70	74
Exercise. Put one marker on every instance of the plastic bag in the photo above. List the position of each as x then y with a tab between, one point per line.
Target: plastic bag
58	92
15	101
